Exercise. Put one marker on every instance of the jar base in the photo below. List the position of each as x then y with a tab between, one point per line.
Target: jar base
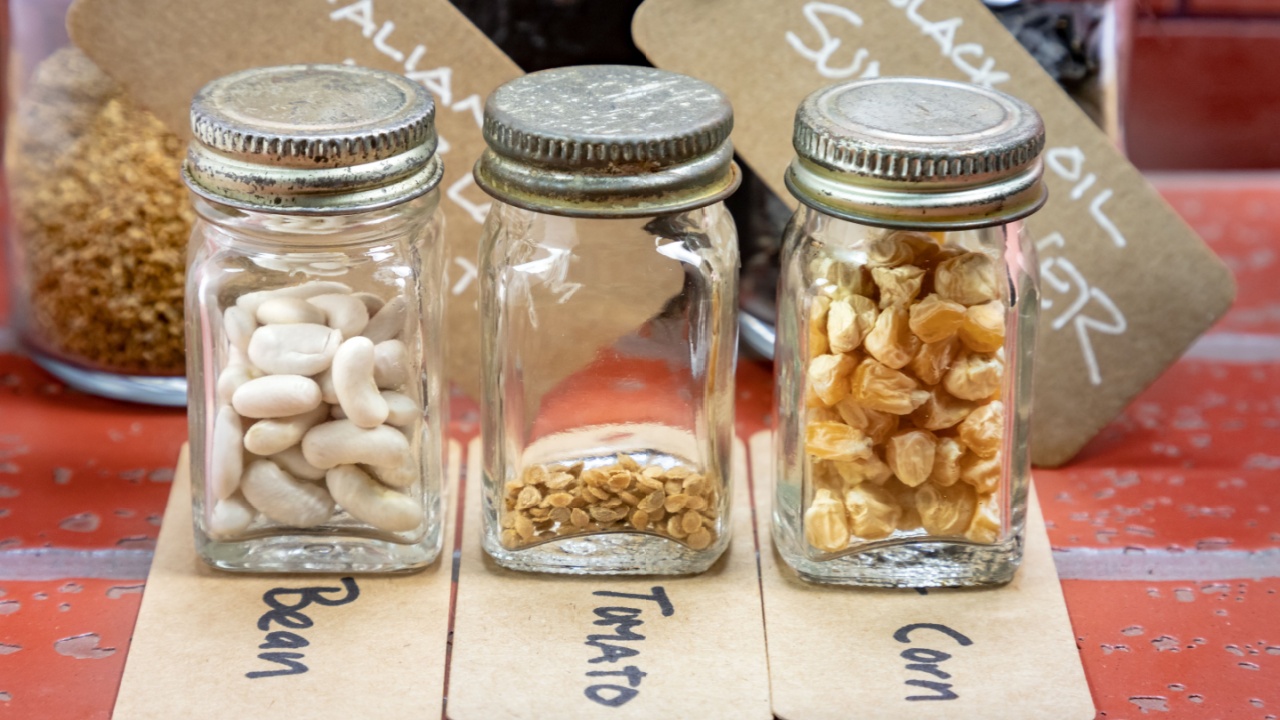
916	565
159	390
312	554
607	554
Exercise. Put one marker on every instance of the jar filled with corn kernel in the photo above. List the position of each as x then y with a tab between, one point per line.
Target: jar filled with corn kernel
314	308
906	314
608	273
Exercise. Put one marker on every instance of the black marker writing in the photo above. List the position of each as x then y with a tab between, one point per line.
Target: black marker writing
288	614
624	620
926	660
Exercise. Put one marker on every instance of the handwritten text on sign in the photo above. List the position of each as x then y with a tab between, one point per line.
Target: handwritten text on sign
289	615
625	619
1087	308
926	660
439	81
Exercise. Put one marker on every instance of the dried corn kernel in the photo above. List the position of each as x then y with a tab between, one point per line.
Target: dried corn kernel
902	247
946	462
891	341
910	455
934	319
974	376
941	411
873	514
871	469
982	473
829	377
969	279
898	285
851	278
983	431
830	441
905	497
825	526
983	328
881	388
849	321
875	424
946	510
823	475
985	525
934	359
819	308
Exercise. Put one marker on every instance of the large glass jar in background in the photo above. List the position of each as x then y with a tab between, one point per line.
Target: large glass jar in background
609	283
314	309
907	309
98	219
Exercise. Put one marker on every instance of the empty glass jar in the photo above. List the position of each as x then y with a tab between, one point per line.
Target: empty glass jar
907	308
314	307
609	282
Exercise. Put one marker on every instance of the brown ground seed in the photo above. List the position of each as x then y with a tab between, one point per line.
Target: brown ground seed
104	221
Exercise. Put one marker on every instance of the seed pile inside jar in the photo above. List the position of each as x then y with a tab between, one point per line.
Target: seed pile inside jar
103	221
904	421
550	501
318	411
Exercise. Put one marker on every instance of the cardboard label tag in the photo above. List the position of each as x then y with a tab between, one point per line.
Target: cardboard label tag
532	645
218	645
1126	285
162	52
838	652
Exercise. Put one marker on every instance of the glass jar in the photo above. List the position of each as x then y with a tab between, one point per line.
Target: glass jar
314	303
907	308
98	219
609	280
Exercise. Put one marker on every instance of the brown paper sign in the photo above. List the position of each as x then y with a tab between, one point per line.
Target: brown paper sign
1126	285
218	645
1006	653
523	648
162	52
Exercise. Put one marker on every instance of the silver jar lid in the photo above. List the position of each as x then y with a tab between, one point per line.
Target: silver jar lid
607	141
906	152
312	139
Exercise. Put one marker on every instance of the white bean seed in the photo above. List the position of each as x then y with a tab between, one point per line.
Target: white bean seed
353	383
239	325
230	517
283	498
387	324
226	458
268	437
342	442
251	301
232	377
343	313
289	311
368	500
327	391
372	303
292	462
276	396
390	364
401	475
401	409
299	349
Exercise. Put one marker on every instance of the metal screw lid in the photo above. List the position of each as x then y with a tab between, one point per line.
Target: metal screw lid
906	152
607	140
312	139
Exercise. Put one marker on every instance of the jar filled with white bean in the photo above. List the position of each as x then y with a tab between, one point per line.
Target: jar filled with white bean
314	309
